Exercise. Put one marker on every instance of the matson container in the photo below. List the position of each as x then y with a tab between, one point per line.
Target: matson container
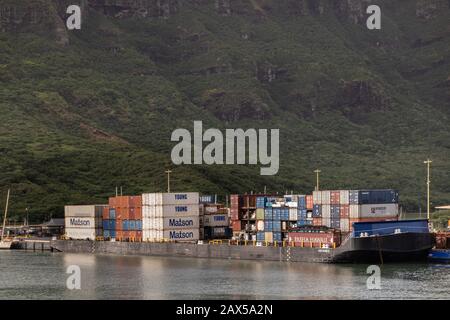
317	197
217	220
326	197
181	223
378	210
309	202
84	211
83	233
182	235
170	211
180	198
344	197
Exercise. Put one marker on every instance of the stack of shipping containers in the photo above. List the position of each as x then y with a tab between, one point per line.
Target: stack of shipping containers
123	218
214	219
171	216
338	209
83	222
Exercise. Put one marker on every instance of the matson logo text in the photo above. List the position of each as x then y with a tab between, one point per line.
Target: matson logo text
233	144
79	222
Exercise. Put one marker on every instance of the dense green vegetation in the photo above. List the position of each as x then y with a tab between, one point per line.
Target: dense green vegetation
366	107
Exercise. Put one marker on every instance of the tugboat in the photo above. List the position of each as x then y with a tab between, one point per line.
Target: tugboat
5	244
386	241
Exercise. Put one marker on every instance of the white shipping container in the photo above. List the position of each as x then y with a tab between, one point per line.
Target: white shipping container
292	204
317	197
326	197
326	211
80	222
182	235
326	222
216	220
181	223
210	209
344	197
354	211
378	210
293	214
170	211
82	233
84	211
178	198
260	225
345	225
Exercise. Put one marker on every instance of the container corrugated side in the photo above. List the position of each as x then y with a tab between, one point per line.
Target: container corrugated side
83	210
326	211
344	198
326	197
217	220
378	210
170	211
175	198
181	223
354	211
81	233
317	197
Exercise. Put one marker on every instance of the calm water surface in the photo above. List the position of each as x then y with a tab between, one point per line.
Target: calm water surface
25	275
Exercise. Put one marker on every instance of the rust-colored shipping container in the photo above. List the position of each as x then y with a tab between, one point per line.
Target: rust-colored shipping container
234	214
236	225
335	197
314	239
105	213
317	221
345	211
309	202
126	201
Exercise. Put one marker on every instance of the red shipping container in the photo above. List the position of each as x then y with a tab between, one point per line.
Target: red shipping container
105	213
126	201
335	197
234	214
317	221
138	213
345	211
236	225
309	202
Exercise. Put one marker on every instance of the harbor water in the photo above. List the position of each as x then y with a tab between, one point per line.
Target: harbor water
43	275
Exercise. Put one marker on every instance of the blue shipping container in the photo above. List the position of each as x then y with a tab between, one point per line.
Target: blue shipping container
112	213
207	199
335	223
106	233
268	214
276	226
302	222
112	233
354	197
139	225
335	211
125	225
317	211
268	225
260	202
302	202
378	196
277	236
390	227
132	225
260	236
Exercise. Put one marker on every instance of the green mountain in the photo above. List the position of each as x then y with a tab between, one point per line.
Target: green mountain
83	111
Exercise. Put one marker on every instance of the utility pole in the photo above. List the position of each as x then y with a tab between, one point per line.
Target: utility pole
428	163
317	172
168	180
4	219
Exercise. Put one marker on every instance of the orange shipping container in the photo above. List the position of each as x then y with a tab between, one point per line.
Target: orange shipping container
317	221
345	211
335	197
236	225
309	202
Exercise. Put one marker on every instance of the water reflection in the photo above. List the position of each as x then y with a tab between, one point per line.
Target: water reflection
43	276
